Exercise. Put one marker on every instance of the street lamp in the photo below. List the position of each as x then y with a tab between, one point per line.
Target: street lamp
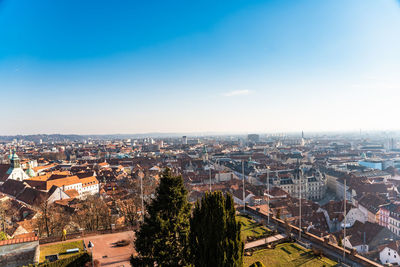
91	246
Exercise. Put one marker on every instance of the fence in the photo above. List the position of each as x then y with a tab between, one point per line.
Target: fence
320	241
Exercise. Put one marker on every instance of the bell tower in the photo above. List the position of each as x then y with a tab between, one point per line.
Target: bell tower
205	154
14	160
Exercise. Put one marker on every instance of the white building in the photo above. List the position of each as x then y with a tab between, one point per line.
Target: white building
71	185
355	243
84	186
390	254
225	176
354	215
56	193
312	184
15	171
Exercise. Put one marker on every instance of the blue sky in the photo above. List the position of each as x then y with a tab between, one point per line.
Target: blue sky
92	67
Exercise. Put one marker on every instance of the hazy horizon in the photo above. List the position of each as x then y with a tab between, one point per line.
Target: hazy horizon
363	133
98	67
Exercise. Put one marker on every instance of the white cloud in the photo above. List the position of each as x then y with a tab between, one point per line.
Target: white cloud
237	93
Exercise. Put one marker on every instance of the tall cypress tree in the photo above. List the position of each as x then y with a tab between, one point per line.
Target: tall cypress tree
214	232
163	237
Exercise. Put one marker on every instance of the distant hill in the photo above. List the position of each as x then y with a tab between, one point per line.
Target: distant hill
75	137
44	137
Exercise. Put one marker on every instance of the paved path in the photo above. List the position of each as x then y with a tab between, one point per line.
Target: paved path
104	250
264	241
107	254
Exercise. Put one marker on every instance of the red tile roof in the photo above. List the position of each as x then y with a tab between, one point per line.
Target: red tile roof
18	240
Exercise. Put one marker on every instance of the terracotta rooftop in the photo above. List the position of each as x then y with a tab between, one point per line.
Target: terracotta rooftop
72	193
18	241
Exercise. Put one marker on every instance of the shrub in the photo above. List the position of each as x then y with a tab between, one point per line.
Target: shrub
73	261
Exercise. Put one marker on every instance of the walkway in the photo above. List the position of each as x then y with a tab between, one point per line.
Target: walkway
264	241
104	250
107	253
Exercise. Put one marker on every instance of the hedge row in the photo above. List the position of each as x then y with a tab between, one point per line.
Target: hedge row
73	261
77	260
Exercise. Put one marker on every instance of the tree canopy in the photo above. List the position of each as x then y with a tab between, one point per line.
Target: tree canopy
163	237
215	233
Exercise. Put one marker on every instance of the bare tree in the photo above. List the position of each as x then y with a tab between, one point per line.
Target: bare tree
4	208
52	219
93	214
43	221
149	185
129	209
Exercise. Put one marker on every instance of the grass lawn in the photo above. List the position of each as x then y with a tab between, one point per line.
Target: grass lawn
287	254
59	248
250	228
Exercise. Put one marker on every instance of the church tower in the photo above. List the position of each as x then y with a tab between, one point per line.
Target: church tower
15	161
205	154
15	171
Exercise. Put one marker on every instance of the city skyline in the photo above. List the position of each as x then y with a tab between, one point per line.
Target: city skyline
240	67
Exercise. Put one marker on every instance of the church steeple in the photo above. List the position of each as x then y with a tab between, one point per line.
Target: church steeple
205	154
14	160
15	172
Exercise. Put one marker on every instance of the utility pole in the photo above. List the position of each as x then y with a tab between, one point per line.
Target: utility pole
244	203
300	174
268	192
344	228
141	193
209	171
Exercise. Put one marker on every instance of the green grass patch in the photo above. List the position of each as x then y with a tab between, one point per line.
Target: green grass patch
288	255
251	228
59	248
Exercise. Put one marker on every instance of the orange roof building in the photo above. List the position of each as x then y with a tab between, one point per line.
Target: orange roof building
67	182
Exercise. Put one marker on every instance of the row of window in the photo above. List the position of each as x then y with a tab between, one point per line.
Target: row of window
393	222
89	183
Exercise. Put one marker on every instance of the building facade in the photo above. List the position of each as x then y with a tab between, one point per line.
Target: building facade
15	172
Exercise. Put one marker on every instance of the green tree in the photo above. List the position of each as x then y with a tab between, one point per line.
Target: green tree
214	232
163	236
